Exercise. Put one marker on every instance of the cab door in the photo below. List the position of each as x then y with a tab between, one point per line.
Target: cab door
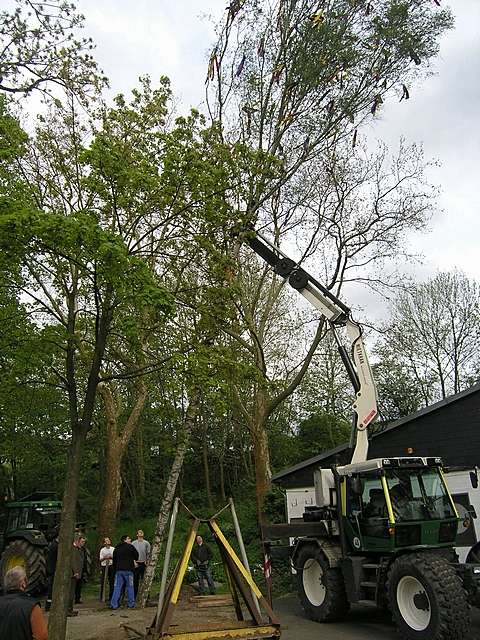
367	515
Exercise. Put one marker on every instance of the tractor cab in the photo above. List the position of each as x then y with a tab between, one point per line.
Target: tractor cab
392	503
38	512
29	525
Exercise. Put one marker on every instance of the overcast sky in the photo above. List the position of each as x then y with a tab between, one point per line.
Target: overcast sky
173	38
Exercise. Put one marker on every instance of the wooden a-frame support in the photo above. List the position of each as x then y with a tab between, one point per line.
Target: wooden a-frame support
240	582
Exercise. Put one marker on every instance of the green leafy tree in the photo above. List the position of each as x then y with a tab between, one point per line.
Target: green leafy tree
433	334
296	81
290	77
41	49
346	225
398	390
321	432
73	275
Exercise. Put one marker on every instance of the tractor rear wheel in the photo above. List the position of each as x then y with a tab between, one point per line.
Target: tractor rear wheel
427	599
31	558
320	587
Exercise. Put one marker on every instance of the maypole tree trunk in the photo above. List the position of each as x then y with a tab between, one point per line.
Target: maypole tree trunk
169	494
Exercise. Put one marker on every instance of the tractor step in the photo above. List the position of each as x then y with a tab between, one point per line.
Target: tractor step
368	584
369	565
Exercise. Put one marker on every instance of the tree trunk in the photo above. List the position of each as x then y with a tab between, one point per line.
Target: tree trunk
222	480
169	494
140	463
13	464
57	623
117	442
113	484
206	471
263	473
261	452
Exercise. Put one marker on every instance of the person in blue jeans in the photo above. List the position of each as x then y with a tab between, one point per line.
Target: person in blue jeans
124	558
201	556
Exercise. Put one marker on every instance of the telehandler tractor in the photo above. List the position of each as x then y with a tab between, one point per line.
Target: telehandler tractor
382	531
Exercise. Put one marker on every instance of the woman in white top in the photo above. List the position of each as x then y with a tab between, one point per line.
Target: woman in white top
106	562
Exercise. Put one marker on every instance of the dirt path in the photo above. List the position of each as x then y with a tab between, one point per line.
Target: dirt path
96	622
93	623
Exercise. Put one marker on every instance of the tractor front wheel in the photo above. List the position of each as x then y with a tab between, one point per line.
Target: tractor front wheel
29	557
427	599
321	588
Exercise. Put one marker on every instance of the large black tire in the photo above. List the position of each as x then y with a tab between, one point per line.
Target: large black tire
427	599
320	587
31	558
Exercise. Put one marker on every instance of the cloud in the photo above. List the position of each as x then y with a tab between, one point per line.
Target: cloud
443	114
170	38
143	37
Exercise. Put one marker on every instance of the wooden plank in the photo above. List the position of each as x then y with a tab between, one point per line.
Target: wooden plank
225	625
217	596
215	603
259	633
215	625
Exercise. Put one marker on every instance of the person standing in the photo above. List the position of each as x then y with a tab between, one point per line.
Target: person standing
77	567
201	556
143	547
52	554
124	557
21	617
106	562
80	543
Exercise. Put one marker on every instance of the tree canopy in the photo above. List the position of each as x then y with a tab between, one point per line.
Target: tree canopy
140	337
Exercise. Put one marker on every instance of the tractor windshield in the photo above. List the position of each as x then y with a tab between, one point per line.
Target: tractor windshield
418	495
47	518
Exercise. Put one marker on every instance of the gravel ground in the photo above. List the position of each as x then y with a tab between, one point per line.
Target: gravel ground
95	622
363	623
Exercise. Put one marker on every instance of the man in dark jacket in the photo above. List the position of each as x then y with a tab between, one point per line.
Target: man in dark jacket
77	568
201	556
124	557
81	542
20	615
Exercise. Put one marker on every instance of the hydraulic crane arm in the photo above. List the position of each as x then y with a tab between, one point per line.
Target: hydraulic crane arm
337	315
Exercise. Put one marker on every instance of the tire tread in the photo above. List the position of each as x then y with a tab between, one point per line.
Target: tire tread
34	561
335	606
452	604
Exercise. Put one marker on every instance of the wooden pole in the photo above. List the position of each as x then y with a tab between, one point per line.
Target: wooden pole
166	561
